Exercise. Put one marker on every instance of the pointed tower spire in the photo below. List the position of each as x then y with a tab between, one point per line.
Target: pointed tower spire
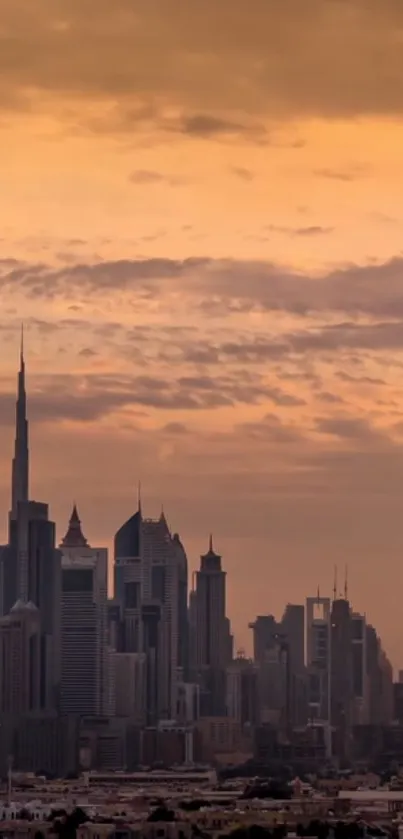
74	537
210	561
139	496
346	583
22	345
20	467
335	583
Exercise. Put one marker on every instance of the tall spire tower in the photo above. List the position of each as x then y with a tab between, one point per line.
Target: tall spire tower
20	470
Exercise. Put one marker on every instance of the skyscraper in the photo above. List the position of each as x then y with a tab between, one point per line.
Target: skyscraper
20	466
212	644
20	656
19	493
128	577
359	664
242	691
265	629
84	653
131	686
150	573
183	612
39	572
380	677
162	562
30	563
341	684
292	628
318	649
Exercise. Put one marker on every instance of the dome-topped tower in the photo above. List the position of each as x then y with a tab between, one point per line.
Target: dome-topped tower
74	537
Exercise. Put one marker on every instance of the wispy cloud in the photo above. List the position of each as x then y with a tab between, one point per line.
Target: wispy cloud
373	289
146	177
242	173
346	175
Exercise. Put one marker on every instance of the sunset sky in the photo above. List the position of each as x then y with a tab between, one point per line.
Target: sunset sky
201	227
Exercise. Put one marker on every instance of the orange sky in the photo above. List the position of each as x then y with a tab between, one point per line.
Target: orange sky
201	227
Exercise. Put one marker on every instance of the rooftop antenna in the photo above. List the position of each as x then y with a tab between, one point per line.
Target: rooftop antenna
210	546
346	583
318	594
335	583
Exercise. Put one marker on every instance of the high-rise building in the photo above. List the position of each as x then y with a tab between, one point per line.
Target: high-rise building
360	711
318	660
265	630
162	561
212	634
387	703
20	467
292	628
32	564
84	651
20	657
341	684
242	691
115	625
19	494
188	705
192	625
183	611
151	619
128	582
380	680
150	573
274	684
131	686
279	653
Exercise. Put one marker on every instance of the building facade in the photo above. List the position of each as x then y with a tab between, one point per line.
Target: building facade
84	649
318	660
131	686
20	657
160	593
128	583
242	691
212	641
150	575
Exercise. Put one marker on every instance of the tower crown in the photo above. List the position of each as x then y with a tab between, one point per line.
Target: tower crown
74	537
211	561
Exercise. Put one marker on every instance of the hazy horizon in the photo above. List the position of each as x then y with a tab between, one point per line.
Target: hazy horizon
201	230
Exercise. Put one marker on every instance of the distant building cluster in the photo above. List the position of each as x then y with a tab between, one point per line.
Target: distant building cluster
149	677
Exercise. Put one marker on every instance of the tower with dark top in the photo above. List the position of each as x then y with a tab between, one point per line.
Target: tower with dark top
20	467
74	537
212	648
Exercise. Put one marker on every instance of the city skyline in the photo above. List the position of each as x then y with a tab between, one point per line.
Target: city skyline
201	231
74	541
154	656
